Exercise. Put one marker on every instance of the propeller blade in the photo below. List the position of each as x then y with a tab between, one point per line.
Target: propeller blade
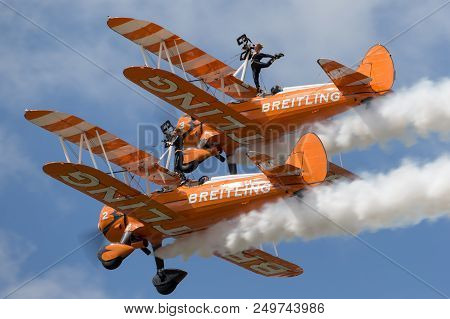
93	240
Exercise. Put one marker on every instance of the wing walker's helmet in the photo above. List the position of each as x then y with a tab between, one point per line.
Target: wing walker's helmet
258	46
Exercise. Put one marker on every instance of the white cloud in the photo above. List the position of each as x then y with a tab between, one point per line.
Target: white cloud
14	162
62	281
409	113
402	197
12	255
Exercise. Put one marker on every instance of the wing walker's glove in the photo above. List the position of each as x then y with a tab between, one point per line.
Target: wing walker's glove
278	55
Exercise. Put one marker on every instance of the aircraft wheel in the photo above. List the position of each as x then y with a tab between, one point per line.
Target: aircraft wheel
113	263
166	280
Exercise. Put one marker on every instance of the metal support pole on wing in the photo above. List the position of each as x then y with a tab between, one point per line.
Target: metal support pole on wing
126	178
222	88
275	248
181	61
162	156
168	56
80	150
245	68
63	145
147	183
90	150
158	65
144	55
104	153
169	156
242	68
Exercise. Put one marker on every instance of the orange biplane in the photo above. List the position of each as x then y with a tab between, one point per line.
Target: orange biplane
133	219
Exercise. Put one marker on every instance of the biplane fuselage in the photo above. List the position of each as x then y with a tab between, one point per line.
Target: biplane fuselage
301	106
289	111
193	208
274	116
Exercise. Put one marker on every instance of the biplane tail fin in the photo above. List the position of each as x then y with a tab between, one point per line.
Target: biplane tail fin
310	157
375	74
378	65
307	163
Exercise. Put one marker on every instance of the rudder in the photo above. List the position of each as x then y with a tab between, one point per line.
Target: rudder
378	65
310	156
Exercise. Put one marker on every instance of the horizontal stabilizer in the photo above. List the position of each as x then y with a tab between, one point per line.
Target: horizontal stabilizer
163	221
262	263
347	80
336	172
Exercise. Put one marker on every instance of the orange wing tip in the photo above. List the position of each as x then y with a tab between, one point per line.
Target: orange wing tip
113	22
323	61
34	114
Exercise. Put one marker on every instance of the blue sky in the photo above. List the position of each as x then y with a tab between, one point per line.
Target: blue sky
42	219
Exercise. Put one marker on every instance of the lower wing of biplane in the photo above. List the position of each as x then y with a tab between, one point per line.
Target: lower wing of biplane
158	220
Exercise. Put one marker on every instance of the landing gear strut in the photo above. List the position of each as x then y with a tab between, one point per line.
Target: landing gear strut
166	280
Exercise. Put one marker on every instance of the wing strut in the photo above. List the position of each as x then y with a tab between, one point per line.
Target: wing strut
90	150
104	154
181	60
162	46
104	144
144	56
242	68
63	145
275	248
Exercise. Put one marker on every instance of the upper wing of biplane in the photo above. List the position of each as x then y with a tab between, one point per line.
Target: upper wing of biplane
262	263
101	142
183	55
194	101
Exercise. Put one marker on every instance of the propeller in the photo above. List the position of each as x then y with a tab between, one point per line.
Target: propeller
92	240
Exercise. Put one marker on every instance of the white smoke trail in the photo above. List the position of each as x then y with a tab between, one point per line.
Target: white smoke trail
406	114
403	197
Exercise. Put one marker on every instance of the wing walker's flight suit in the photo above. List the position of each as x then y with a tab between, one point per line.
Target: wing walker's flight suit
257	64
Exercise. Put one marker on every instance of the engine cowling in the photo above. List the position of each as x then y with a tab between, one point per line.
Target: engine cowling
112	255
